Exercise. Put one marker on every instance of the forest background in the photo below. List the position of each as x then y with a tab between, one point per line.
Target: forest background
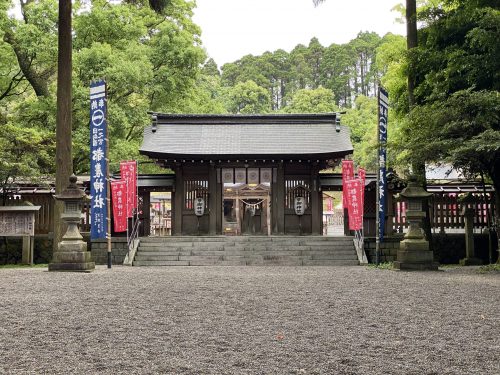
153	60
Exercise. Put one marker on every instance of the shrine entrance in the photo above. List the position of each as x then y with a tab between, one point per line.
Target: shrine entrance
246	209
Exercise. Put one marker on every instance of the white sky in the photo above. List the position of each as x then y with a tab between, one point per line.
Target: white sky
234	28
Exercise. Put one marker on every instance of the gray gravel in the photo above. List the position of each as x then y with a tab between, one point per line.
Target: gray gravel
249	320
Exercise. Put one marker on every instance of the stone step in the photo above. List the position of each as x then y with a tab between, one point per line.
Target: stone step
224	255
240	239
159	263
245	250
330	262
255	261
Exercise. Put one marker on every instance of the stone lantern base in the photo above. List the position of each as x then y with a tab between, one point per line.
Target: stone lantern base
72	256
414	254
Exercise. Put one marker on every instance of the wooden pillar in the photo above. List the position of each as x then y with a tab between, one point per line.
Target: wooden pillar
178	202
145	229
27	254
280	199
212	200
218	195
316	222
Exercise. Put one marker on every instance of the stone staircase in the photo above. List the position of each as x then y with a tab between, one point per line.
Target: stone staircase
246	250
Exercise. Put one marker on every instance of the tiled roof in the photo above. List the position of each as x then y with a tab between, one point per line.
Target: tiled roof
259	135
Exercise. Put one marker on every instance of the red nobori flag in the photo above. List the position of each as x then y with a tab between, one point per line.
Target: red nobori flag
362	176
354	203
347	174
128	172
119	197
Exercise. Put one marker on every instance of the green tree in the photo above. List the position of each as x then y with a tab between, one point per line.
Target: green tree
455	118
318	100
248	97
151	61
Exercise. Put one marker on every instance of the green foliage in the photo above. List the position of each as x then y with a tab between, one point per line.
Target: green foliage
319	100
381	266
490	268
456	119
148	52
362	120
347	70
248	97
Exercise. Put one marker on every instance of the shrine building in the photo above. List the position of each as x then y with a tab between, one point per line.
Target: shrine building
246	174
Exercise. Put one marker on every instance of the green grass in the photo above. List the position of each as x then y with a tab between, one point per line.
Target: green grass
8	266
489	268
382	266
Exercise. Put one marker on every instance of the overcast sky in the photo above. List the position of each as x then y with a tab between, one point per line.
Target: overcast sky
234	28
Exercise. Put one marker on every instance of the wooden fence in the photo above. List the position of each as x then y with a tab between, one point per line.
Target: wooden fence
446	212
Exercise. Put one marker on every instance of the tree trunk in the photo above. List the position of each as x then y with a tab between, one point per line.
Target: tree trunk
64	165
411	42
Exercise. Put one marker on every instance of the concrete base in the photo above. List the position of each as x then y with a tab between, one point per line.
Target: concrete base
471	262
72	256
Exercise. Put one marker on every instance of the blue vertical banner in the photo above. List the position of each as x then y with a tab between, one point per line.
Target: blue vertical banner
98	162
383	114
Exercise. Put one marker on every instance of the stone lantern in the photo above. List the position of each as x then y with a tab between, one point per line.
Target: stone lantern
72	254
414	250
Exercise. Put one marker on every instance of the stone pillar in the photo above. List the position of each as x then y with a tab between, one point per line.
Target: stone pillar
470	259
71	253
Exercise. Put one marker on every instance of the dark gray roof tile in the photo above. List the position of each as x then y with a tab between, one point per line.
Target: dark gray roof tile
200	135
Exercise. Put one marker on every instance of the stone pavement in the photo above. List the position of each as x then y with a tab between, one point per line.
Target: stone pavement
249	320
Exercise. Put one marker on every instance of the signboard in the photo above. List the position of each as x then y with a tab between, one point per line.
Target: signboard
119	199
98	161
199	206
128	173
354	203
347	174
383	112
15	222
299	205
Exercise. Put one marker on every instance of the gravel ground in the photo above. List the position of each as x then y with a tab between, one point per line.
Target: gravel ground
249	320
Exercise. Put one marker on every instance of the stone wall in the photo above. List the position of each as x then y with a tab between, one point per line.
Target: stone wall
448	248
99	249
388	249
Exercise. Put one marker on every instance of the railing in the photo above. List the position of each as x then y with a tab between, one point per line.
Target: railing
133	234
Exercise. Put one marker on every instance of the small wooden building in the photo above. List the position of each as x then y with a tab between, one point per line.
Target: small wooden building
247	170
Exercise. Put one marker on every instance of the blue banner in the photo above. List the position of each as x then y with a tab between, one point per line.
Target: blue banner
383	110
98	162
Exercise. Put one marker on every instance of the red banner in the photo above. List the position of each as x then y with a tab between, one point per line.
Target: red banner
362	176
347	174
128	172
119	196
354	203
